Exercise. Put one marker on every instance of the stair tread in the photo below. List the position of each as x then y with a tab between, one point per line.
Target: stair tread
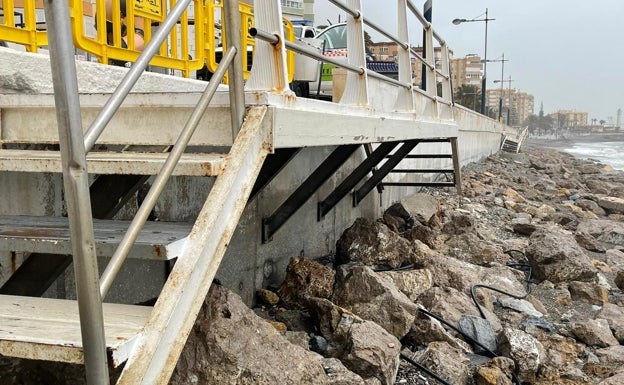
35	234
136	163
49	329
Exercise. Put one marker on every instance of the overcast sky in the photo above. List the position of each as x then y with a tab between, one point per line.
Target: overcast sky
568	53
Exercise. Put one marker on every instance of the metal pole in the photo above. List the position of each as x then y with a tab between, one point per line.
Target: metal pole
428	17
483	81
235	78
132	76
510	104
76	185
118	258
500	99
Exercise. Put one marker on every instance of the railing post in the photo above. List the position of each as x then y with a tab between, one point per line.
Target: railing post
447	91
235	79
76	185
356	86
432	85
269	71
405	100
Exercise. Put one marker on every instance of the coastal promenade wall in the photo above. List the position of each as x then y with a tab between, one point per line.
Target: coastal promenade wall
248	264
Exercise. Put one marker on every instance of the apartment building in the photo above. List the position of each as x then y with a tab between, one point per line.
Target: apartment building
518	105
569	119
466	71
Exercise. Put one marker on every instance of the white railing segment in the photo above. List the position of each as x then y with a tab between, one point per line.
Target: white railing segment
405	99
269	71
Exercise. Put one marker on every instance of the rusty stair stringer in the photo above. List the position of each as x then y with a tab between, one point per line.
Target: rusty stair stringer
159	346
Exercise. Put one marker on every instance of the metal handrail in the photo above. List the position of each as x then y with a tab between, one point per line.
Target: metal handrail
112	105
357	14
118	258
76	187
274	39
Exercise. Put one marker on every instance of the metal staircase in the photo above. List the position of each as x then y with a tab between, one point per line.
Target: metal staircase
512	143
133	136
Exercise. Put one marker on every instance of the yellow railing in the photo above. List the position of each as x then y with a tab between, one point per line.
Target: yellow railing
176	53
18	24
186	48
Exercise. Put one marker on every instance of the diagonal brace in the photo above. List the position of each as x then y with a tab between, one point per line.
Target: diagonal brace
354	178
321	174
384	170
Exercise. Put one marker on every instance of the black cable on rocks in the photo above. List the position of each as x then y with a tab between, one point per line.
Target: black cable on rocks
520	266
427	371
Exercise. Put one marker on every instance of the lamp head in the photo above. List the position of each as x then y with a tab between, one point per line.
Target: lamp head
458	21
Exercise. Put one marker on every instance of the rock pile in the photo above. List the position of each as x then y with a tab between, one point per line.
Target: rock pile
401	287
362	315
518	281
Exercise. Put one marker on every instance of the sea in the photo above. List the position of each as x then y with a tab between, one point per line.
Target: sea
611	152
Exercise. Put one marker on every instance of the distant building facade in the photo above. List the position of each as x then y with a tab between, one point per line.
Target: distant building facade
389	51
466	71
569	119
516	104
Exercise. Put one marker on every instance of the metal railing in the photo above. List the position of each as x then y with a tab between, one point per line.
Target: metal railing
356	86
193	43
90	289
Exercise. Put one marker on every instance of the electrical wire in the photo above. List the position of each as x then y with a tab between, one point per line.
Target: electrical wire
519	266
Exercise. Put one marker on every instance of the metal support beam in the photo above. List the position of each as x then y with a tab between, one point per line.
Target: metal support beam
388	166
368	149
420	184
273	165
456	166
354	178
323	172
235	70
76	186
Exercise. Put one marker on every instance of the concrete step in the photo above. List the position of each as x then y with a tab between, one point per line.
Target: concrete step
49	329
32	234
127	163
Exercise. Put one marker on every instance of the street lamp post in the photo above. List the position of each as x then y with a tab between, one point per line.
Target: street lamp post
500	99
502	81
483	81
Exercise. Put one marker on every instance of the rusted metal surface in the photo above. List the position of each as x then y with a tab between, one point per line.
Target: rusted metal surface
26	322
51	235
174	314
120	163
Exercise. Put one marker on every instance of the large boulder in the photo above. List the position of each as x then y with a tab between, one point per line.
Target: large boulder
362	346
373	243
496	372
604	230
614	315
448	303
525	350
594	332
612	204
554	255
421	205
412	283
231	345
375	298
446	361
427	329
306	278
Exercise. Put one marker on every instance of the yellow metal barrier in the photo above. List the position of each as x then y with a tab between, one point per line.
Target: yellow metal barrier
109	40
214	52
179	52
18	24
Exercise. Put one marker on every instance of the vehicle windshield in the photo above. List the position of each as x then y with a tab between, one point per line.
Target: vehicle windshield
335	37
